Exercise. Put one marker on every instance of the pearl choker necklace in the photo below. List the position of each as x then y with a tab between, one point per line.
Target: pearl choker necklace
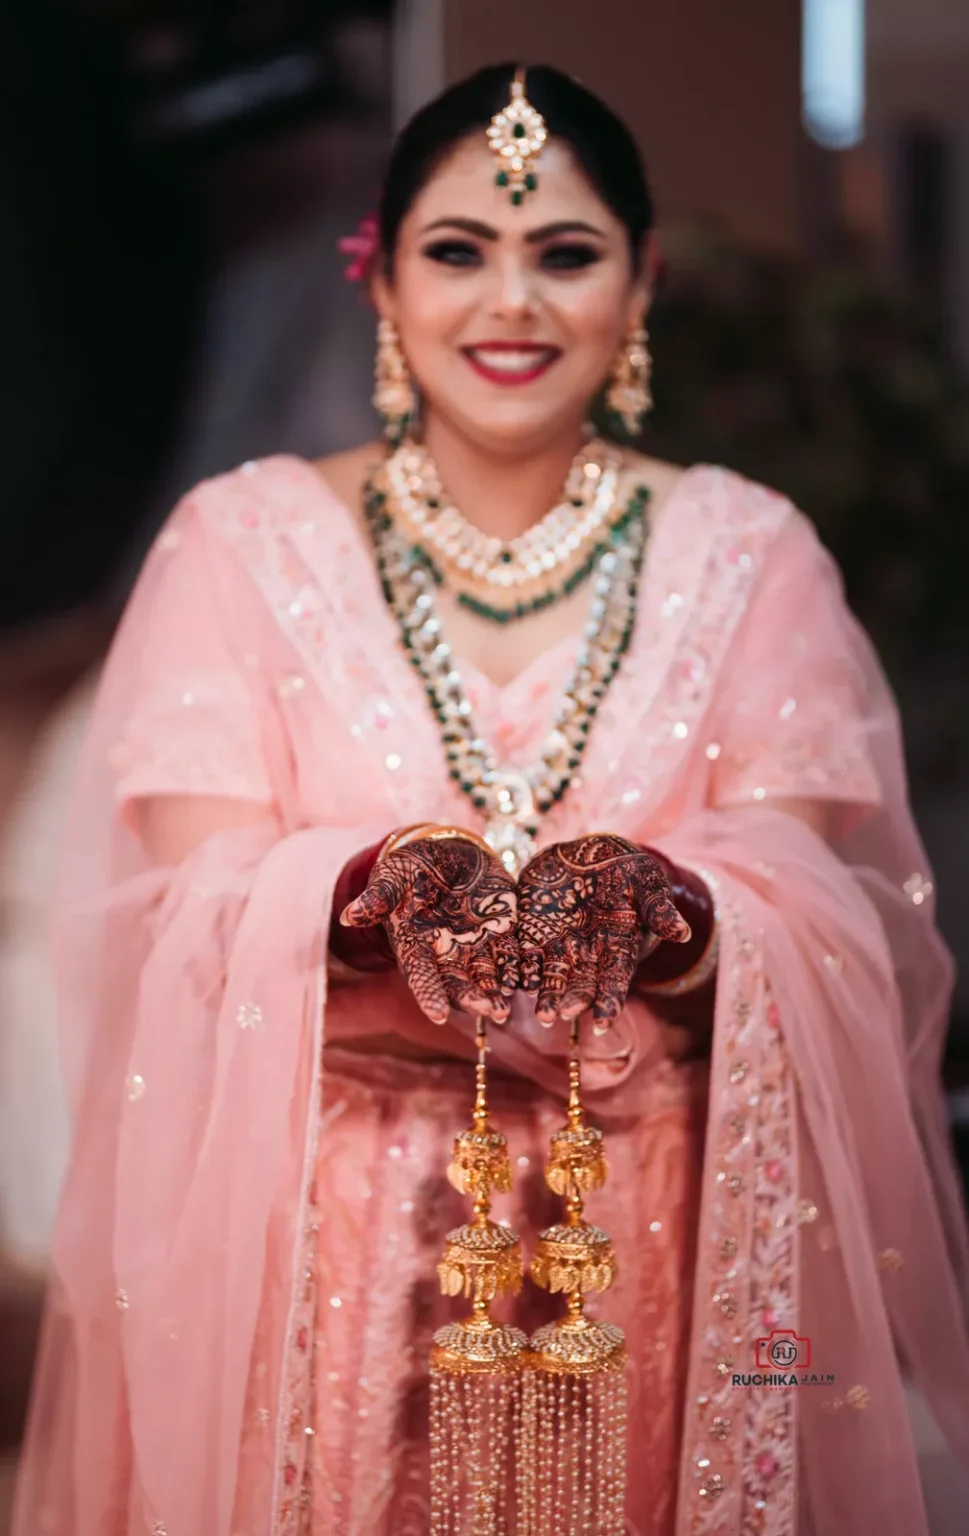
501	580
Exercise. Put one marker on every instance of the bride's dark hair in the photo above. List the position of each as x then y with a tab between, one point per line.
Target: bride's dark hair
599	140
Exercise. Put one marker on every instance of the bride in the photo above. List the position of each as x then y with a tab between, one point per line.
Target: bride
386	751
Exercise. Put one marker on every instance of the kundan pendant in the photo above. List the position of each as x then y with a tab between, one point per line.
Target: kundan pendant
476	1365
575	1389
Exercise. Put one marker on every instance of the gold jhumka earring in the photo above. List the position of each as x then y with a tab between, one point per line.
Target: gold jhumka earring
393	397
629	397
575	1408
517	136
476	1365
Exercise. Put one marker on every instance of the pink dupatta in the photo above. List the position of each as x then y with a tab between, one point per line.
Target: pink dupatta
257	661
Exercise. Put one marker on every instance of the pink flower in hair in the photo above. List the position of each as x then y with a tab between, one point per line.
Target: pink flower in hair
362	246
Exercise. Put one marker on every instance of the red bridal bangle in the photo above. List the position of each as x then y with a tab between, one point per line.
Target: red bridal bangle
362	949
672	970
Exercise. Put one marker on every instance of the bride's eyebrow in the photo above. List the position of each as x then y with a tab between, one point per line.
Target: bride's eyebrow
469	227
564	227
534	237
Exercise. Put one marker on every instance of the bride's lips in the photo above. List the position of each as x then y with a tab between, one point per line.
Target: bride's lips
511	362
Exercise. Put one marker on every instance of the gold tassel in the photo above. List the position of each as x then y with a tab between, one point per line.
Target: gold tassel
476	1365
574	1406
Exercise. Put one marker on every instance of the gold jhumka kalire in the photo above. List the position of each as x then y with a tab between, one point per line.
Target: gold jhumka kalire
528	1436
517	135
476	1365
575	1395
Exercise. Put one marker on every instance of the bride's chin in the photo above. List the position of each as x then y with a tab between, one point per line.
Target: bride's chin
509	433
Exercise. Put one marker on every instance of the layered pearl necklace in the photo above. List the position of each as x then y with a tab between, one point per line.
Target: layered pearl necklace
512	800
495	579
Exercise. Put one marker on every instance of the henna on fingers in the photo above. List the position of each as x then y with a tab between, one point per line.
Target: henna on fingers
363	949
584	910
449	908
688	967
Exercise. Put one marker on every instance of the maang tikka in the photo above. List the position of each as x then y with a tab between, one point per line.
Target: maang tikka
517	136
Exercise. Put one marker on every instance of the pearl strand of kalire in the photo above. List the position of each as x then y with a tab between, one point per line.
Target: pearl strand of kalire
574	1387
513	800
480	1466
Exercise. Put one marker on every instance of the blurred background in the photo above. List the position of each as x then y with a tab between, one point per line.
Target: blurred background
174	176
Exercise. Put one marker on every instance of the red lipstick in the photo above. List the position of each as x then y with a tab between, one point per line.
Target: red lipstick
511	362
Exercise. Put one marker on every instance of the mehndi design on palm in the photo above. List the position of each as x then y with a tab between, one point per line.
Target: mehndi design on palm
584	909
450	910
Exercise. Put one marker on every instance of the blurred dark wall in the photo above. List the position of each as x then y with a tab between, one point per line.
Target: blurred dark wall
99	286
123	127
712	93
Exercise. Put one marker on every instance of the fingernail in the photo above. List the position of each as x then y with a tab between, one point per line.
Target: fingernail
687	934
601	1029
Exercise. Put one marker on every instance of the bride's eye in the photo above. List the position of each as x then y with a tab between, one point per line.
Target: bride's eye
570	257
454	253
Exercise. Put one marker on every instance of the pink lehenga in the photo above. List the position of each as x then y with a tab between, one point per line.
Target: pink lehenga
244	1284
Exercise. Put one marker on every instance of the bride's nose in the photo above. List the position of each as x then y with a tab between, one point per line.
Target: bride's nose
512	295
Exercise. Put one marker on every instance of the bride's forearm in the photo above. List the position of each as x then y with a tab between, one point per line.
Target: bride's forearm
680	980
679	970
357	952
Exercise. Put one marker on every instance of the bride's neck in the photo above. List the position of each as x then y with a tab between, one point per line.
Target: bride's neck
502	496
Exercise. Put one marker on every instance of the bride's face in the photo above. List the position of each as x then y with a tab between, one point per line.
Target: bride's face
510	317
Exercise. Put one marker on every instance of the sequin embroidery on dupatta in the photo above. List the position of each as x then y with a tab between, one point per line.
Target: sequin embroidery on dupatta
707	552
311	567
292	1482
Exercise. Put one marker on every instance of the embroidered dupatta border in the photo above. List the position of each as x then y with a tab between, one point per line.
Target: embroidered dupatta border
739	1461
292	1472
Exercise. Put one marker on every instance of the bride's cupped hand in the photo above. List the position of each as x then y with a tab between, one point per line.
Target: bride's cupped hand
585	909
450	911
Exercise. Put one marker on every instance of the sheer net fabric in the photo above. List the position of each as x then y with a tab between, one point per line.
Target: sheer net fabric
217	1199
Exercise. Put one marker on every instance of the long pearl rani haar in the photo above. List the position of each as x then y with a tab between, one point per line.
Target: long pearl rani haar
402	498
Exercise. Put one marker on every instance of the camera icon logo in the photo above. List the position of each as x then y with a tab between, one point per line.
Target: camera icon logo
783	1350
